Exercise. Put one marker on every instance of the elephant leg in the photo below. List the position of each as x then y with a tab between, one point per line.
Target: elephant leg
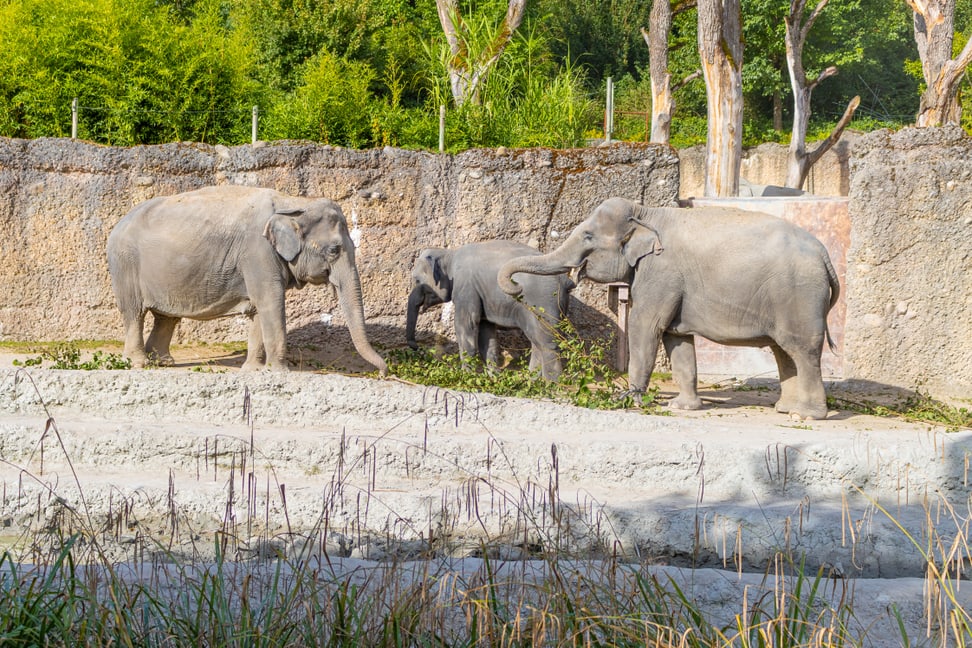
681	352
255	353
488	344
788	379
274	331
547	360
467	321
802	391
157	345
643	337
134	338
544	354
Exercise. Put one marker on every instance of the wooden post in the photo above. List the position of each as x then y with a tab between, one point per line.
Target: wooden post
74	118
619	298
253	125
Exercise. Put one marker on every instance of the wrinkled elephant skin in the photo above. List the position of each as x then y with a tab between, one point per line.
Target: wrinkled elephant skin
735	277
466	276
230	250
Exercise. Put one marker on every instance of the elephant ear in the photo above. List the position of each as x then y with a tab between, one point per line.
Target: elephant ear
641	241
284	234
437	273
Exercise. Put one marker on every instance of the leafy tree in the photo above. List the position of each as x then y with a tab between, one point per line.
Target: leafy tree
839	39
602	38
475	44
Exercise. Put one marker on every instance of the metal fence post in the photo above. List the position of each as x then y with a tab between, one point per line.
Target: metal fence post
253	125
442	129
609	112
74	118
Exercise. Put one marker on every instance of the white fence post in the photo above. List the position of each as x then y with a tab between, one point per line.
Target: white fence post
74	118
253	125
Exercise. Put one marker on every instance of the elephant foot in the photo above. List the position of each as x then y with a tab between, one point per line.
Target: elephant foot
636	394
160	359
683	402
252	365
802	411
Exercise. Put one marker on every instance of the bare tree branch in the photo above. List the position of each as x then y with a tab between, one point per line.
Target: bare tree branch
835	134
687	80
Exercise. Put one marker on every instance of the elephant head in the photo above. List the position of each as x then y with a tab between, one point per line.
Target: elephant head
431	285
605	247
312	237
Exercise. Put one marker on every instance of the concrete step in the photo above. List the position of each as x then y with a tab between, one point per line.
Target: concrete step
373	468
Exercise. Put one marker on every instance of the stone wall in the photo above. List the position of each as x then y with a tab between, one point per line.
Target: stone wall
766	165
60	198
909	262
909	266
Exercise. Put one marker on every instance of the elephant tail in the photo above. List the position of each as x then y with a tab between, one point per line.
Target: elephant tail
834	296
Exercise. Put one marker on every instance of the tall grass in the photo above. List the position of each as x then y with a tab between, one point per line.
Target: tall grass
530	586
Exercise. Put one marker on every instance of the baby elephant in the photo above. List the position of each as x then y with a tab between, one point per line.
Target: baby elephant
466	276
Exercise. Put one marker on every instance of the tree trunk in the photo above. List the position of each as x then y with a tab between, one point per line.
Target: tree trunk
662	103
468	63
934	22
799	162
720	47
662	91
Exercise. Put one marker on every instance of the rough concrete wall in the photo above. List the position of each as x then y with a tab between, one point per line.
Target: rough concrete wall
60	198
766	165
909	267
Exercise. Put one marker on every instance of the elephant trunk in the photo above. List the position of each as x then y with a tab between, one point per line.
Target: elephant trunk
344	277
557	262
415	300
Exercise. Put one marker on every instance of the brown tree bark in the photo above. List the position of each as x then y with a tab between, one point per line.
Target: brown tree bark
800	161
720	47
934	22
468	69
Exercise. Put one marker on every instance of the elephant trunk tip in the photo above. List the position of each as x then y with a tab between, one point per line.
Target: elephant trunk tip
506	282
382	368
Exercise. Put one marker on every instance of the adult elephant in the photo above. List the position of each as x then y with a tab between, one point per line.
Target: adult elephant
230	250
466	276
732	276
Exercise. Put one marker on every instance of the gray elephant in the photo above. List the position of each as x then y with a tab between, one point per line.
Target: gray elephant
230	250
735	277
466	276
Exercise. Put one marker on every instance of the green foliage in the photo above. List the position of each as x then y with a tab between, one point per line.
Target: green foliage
527	99
918	406
139	75
367	73
587	379
331	104
69	356
602	38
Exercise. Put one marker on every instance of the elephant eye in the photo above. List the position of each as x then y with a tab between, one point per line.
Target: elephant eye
329	252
